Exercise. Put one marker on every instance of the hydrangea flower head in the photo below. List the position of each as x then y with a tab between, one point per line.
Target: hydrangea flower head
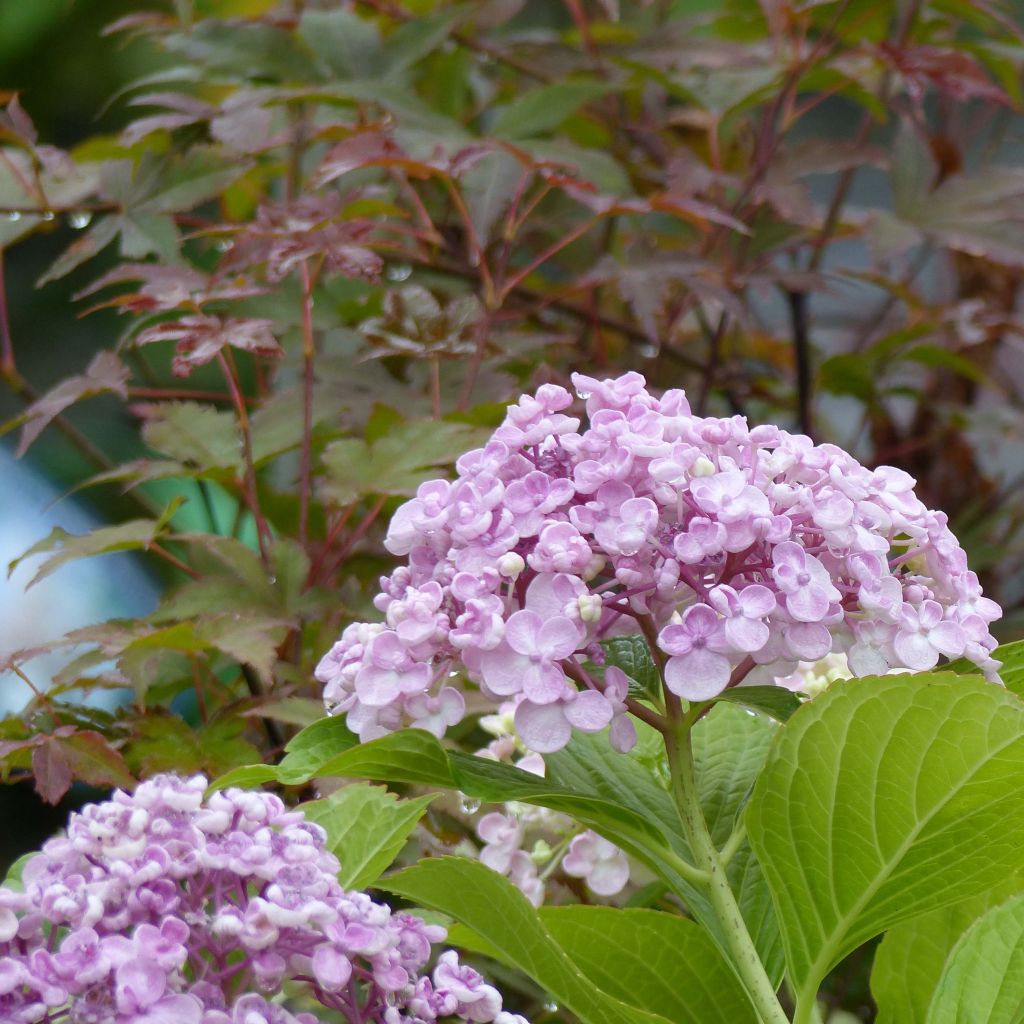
163	907
741	546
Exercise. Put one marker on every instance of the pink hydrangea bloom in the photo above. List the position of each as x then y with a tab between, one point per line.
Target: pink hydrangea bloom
164	907
741	545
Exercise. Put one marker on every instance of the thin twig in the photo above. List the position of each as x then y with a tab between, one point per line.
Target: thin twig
263	534
802	353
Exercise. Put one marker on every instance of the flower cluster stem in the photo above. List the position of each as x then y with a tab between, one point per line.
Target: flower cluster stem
744	954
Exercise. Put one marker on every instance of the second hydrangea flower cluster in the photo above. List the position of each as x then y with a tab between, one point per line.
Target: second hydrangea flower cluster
161	907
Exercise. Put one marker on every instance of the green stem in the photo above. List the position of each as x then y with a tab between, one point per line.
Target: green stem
807	1011
744	954
732	844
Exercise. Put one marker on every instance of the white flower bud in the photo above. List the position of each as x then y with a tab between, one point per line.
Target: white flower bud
590	606
511	565
541	852
703	466
594	567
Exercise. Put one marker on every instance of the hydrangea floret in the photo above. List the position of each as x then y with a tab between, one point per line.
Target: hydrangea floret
163	907
733	546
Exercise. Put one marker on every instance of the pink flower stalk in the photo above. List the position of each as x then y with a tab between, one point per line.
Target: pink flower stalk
163	907
736	544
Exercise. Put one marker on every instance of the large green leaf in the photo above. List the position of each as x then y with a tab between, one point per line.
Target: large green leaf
305	753
983	982
883	799
500	914
910	959
366	829
662	963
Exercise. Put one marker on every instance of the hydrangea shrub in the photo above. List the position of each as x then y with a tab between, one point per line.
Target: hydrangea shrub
357	229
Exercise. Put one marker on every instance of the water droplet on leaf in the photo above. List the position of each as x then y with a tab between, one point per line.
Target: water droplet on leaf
80	219
468	805
398	272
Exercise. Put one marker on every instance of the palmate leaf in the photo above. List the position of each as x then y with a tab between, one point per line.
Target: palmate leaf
366	829
883	799
398	463
545	107
105	374
64	547
492	907
196	435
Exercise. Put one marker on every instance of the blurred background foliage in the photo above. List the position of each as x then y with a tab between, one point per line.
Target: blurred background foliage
321	244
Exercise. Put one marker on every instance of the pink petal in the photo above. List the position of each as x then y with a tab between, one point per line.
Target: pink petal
542	727
522	630
544	683
746	634
180	1009
622	734
609	876
675	639
948	638
808	604
790	555
757	601
589	712
808	641
699	675
378	687
502	670
700	620
558	638
914	650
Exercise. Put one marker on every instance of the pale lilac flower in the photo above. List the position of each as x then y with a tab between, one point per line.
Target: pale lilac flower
745	612
436	714
502	836
388	671
622	734
528	660
697	669
561	548
601	864
923	636
805	583
471	997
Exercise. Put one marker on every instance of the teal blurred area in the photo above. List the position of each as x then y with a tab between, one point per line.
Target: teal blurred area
78	594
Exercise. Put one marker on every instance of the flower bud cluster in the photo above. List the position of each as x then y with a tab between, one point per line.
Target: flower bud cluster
163	906
736	545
